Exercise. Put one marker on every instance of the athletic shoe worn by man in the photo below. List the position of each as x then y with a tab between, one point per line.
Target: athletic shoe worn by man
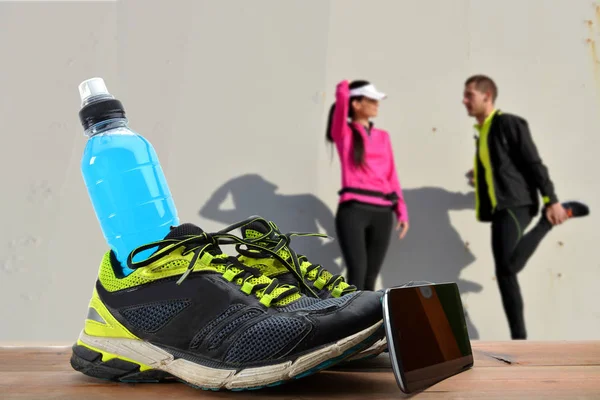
268	249
190	312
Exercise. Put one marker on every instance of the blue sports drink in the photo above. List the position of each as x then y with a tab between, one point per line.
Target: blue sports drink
123	176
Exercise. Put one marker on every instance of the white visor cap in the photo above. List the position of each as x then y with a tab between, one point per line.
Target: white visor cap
369	91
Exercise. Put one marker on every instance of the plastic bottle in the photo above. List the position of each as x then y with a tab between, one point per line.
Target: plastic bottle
123	176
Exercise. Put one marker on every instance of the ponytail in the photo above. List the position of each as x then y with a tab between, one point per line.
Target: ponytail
358	145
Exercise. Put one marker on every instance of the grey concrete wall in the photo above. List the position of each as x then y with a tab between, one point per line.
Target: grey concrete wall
208	81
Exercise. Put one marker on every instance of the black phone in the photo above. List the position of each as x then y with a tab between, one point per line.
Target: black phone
427	334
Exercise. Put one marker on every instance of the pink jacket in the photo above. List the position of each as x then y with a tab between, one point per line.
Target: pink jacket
379	170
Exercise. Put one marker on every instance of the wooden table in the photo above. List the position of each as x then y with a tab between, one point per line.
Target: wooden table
503	370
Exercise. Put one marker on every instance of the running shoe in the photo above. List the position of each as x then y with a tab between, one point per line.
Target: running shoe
191	313
576	209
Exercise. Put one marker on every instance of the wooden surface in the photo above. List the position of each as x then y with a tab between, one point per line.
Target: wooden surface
503	370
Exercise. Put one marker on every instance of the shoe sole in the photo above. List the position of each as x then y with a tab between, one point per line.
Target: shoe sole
130	360
376	349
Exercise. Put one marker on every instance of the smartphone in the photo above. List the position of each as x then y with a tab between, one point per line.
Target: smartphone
427	334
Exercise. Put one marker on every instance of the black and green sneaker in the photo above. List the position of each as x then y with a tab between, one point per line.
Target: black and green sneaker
191	313
263	246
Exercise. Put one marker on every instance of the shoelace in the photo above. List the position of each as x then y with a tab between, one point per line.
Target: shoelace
276	241
206	245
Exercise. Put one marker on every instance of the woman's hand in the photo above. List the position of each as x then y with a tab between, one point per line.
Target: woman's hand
402	226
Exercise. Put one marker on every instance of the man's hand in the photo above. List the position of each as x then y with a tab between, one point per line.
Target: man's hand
403	228
471	177
556	214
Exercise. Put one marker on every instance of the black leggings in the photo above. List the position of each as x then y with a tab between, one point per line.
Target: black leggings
363	231
512	249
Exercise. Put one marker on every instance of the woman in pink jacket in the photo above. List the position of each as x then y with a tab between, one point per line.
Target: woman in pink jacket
371	193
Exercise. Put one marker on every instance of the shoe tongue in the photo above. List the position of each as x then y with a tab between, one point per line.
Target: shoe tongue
257	228
262	228
183	230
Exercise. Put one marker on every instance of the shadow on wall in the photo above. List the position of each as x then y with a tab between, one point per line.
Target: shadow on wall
432	250
251	194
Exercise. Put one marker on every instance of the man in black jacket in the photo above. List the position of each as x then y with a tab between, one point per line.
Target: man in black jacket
507	176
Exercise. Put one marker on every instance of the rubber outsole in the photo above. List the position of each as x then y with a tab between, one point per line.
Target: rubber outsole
128	360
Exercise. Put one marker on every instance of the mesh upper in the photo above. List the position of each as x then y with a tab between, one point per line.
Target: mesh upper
206	330
265	339
316	304
216	340
152	317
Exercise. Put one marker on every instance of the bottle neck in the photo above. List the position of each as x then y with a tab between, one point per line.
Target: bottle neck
107	125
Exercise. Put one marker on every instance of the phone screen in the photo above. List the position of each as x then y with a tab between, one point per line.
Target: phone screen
427	334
